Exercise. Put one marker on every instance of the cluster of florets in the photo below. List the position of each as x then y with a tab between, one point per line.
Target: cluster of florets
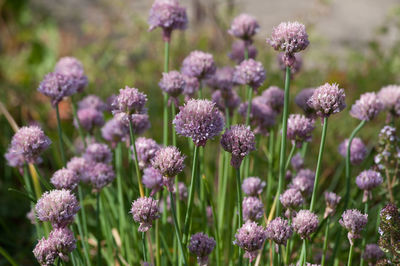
115	130
239	140
201	245
65	178
368	180
98	152
294	68
297	162
192	86
253	209
152	179
92	101
222	79
304	181
299	129
199	120
250	72
238	49
302	99
331	200
226	101
274	97
250	237
367	107
89	119
291	199
244	27
72	68
305	223
129	101
253	186
56	86
354	222
101	175
279	231
388	150
358	150
144	211
389	231
390	97
146	149
327	99
199	64
172	83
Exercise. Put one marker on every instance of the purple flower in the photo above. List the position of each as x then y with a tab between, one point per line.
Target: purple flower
240	141
262	116
354	222
129	100
172	83
327	99
250	72
297	162
152	179
244	27
72	68
182	191
238	50
302	99
253	208
253	186
305	223
146	150
114	130
168	15
44	252
201	245
101	175
58	207
291	199
299	129
65	178
191	87
57	86
198	64
63	242
89	118
227	100
94	102
144	211
290	38
358	151
80	167
222	79
250	237
279	231
368	180
140	123
331	200
304	181
373	253
199	120
389	96
274	97
367	107
98	152
27	145
296	65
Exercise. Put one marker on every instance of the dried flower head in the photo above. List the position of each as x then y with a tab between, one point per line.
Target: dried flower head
89	118
152	179
305	223
327	99
358	150
172	83
302	99
367	107
58	207
274	97
222	79
244	27
250	72
169	161
198	64
146	150
299	129
354	222
72	68
199	120
94	102
368	180
240	141
250	237
238	51
253	209
62	241
80	167
101	174
331	200
201	245
279	231
372	253
297	162
65	178
98	152
144	211
253	186
57	86
129	100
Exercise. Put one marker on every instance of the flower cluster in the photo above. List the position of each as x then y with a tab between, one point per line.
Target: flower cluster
201	245
299	129
305	223
253	209
327	99
250	72
279	231
244	27
253	186
144	211
358	150
354	222
199	64
250	237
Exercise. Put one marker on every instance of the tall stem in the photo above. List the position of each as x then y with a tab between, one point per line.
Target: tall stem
191	196
60	140
282	158
177	230
165	113
325	246
271	142
80	131
290	156
363	243
239	206
118	162
144	246
249	99
319	161
350	260
133	144
98	228
173	111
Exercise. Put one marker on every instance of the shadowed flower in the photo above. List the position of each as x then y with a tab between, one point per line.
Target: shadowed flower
57	86
297	162
44	252
368	180
250	237
253	186
199	120
201	245
89	118
327	99
222	79
146	150
129	101
238	140
372	253
80	167
98	152
296	65
198	64
65	178
58	207
144	211
72	68
227	100
279	231
291	199
354	222
331	200
244	27
358	151
191	87
390	96
172	83
253	209
367	107
238	50
302	98
305	223
250	72
152	179
262	116
101	175
114	130
299	129
140	123
304	181
274	97
94	102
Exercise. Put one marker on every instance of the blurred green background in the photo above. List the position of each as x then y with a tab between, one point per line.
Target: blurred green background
111	39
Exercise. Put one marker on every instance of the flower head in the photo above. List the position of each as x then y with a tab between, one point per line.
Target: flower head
144	211
62	241
56	86
304	181
169	161
226	100
297	162
80	167
367	107
58	207
201	245
368	180
98	152
358	150
302	99
152	179
279	231
129	100
114	130
146	150
389	96
101	174
250	72
72	68
299	129
253	186
65	178
240	141
331	200
222	79
305	223
89	118
250	237
140	123
354	222
238	51
44	252
172	83
327	99
274	97
244	27
296	65
291	198
191	87
253	209
373	253
199	120
199	64
94	102
262	116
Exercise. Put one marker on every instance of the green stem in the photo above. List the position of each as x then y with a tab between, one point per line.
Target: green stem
191	196
28	188
81	231
349	261
287	257
80	131
133	144
279	256
282	158
165	113
271	142
122	216
319	163
249	99
363	243
144	246
177	230
98	228
325	246
60	137
239	206
173	111
290	156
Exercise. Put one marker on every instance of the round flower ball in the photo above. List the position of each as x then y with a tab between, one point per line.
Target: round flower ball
172	83
99	153
354	222
274	97
56	86
244	27
250	237
279	231
302	99
129	100
201	245
65	178
358	150
199	64
253	186
144	211
62	241
101	175
299	129
237	53
94	102
389	96
367	107
80	166
89	118
250	72
253	209
327	99
72	68
368	180
146	150
305	223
